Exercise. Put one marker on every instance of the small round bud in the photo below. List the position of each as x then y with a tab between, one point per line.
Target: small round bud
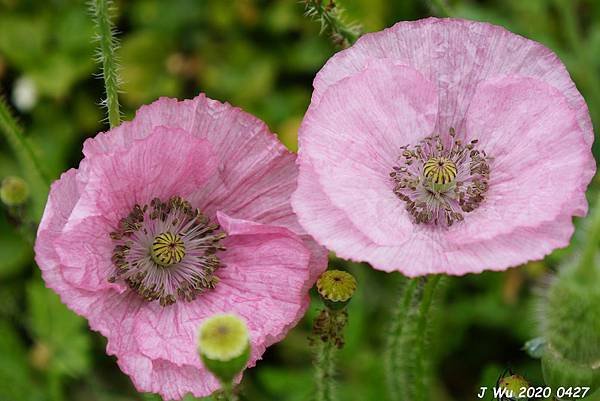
14	191
514	383
224	346
336	287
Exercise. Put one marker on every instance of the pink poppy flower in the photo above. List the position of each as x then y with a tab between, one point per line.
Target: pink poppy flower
443	146
180	214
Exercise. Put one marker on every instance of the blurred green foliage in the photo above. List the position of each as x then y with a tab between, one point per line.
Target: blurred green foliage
262	56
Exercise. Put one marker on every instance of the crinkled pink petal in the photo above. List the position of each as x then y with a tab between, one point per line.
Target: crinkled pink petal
255	174
61	200
511	93
326	223
265	281
541	163
168	162
352	138
84	251
114	183
63	196
171	148
456	54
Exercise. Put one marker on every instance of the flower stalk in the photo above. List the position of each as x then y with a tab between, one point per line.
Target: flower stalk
227	392
329	14
107	57
336	288
325	371
407	364
26	157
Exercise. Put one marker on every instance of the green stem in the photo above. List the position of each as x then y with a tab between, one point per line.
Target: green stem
407	361
26	157
588	254
55	391
228	393
391	356
325	371
108	44
420	374
442	8
330	17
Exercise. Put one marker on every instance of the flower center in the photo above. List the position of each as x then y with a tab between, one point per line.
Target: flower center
439	170
166	251
441	178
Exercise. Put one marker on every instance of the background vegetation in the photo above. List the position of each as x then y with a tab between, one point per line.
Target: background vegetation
261	56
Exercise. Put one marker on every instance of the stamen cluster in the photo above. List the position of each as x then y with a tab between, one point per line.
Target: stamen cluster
166	251
440	179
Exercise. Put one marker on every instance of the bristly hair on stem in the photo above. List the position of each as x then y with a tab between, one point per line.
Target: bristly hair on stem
31	165
330	16
106	56
408	363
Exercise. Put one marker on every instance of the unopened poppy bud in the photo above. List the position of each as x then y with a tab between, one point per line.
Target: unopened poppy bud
14	191
224	346
336	288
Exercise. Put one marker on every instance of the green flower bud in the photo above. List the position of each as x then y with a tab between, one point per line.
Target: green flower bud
14	191
336	287
224	345
571	319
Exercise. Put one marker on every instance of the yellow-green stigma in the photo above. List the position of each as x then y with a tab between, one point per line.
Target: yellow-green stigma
440	170
336	286
167	249
223	337
441	178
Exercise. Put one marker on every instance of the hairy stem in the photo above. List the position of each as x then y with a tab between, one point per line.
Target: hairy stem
394	381
325	371
420	374
330	17
26	157
407	362
107	57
